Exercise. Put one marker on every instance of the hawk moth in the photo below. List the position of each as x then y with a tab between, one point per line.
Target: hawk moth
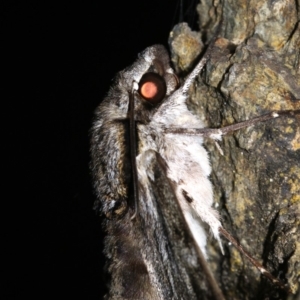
144	119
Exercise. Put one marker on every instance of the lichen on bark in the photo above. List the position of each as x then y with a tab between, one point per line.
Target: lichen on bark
254	69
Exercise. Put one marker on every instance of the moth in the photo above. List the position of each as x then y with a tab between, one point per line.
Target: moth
151	175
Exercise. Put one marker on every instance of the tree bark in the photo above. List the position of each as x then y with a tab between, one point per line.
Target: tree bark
254	69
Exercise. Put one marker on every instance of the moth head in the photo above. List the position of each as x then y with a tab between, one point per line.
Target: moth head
155	78
159	81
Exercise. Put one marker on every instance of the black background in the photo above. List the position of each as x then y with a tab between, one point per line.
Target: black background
60	60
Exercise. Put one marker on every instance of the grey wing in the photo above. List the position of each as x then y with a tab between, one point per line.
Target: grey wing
110	164
153	257
169	248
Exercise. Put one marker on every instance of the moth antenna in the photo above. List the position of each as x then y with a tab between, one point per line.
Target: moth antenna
190	78
217	133
133	146
254	262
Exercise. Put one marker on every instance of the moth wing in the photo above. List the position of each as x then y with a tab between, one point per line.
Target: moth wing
169	241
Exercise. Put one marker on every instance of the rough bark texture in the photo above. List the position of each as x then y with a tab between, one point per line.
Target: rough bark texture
254	69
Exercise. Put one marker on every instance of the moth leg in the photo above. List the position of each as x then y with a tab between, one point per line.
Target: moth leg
219	148
258	265
217	133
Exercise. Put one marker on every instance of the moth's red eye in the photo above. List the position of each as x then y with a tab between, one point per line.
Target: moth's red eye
152	87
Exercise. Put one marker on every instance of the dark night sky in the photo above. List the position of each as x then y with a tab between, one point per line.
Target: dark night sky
61	59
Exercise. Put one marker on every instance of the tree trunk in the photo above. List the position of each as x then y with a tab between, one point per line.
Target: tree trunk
254	69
